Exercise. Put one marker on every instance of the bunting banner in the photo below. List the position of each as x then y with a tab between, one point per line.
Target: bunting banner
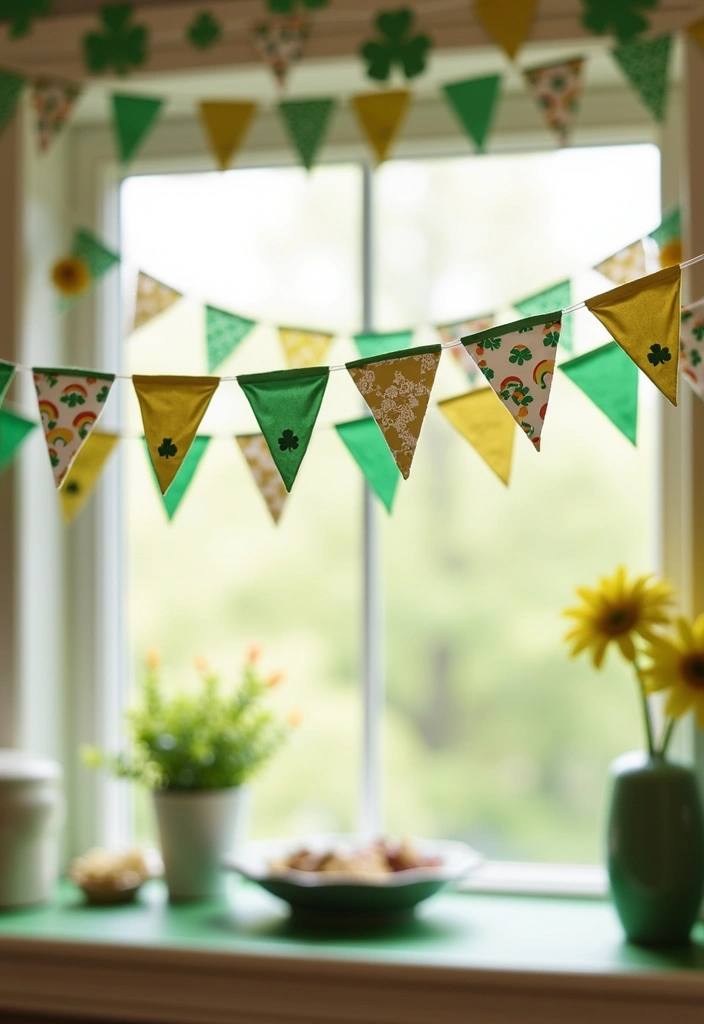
184	477
84	473
691	345
265	472
286	404
609	378
365	443
70	403
304	348
280	43
380	115
518	360
307	123
557	89
223	333
397	391
644	318
153	298
226	124
372	344
558	296
507	22
172	409
668	238
53	102
14	429
474	103
646	64
7	372
626	265
458	329
10	88
480	420
133	119
97	258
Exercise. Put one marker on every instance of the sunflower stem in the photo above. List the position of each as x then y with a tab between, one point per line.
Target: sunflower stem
646	709
666	736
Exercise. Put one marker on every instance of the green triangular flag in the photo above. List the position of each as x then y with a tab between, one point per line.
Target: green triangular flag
286	404
97	258
307	122
367	446
7	372
473	101
645	63
10	89
558	296
133	116
183	479
371	344
223	333
669	228
13	430
610	378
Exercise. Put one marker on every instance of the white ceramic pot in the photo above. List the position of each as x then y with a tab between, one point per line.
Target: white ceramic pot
31	811
196	829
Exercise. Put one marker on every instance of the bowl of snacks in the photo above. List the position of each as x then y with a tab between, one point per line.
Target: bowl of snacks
346	880
108	876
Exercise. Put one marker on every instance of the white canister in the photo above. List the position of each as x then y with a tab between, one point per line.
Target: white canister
30	819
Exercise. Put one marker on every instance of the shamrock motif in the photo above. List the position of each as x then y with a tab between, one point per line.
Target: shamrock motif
51	379
288	442
658	355
21	13
623	18
687	314
488	372
695	357
551	339
73	399
520	355
204	31
72	487
102	394
289	6
167	448
492	343
397	46
698	331
53	458
120	46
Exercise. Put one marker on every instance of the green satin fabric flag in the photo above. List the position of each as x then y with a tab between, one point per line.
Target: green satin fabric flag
371	344
184	478
646	64
223	333
286	404
7	372
610	379
96	257
474	103
307	122
669	228
558	296
367	446
13	431
10	89
133	118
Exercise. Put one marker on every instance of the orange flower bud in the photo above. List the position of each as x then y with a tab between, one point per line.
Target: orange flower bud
275	678
295	718
153	659
201	664
254	653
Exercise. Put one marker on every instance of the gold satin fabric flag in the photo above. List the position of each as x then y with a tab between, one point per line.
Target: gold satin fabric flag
380	115
226	125
84	473
483	422
304	348
172	408
507	21
644	318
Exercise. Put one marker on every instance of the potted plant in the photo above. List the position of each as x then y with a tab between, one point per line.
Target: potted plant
196	750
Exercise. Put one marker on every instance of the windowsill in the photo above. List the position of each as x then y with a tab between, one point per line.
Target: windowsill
466	956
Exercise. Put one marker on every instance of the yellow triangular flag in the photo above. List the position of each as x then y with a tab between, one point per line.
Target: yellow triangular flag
84	473
265	472
507	21
695	32
304	348
644	318
172	408
380	115
483	422
153	297
226	125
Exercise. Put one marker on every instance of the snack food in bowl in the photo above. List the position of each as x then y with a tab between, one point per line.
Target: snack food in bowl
374	860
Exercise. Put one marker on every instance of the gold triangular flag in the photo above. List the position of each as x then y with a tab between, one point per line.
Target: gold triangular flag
153	297
380	115
226	125
626	265
172	408
644	318
481	421
268	479
304	348
507	21
83	475
397	391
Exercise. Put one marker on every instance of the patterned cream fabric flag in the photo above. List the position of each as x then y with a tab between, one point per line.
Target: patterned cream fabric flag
626	265
280	43
304	348
557	89
460	329
507	21
153	297
53	102
84	474
644	318
692	345
397	391
70	403
266	475
518	360
226	124
480	420
380	115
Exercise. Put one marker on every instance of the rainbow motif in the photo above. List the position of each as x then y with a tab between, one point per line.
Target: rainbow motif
48	409
543	410
84	421
544	367
62	435
528	429
511	382
75	389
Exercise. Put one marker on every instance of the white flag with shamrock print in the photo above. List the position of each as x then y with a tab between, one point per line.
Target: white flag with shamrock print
692	345
518	360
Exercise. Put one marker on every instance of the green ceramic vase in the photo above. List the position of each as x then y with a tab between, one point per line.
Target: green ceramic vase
655	851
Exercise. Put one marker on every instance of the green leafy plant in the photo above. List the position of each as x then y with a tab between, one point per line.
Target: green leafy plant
210	739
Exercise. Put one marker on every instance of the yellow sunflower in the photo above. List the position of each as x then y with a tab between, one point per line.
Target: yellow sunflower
677	666
671	253
70	276
617	611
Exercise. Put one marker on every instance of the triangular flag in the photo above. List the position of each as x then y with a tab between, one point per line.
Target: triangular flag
557	89
307	122
380	115
153	297
474	102
397	391
518	360
280	43
13	430
223	333
93	253
10	89
452	332
184	477
610	379
226	125
367	446
557	296
668	238
70	403
53	102
692	345
84	474
626	265
172	408
133	116
644	318
372	344
645	63
304	348
265	472
507	21
480	420
7	372
286	404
